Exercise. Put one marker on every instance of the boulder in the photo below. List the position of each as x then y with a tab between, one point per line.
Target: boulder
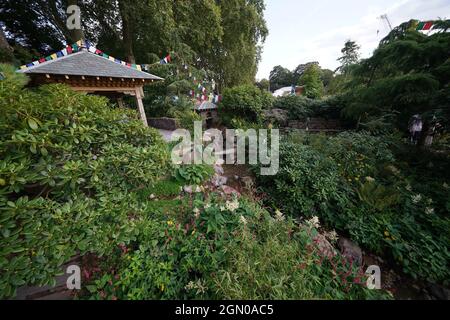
324	246
218	180
188	189
248	182
350	250
218	169
230	191
278	116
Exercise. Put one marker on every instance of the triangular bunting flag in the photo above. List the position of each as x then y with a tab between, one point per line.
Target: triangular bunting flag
428	26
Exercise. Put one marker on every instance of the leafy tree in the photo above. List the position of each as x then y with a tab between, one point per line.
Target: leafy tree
312	82
224	39
301	68
327	77
263	84
236	56
407	74
350	55
280	77
38	24
244	102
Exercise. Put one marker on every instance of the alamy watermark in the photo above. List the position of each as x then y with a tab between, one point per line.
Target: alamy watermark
193	150
73	17
73	281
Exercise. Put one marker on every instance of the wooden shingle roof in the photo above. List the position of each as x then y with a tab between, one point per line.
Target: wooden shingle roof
85	63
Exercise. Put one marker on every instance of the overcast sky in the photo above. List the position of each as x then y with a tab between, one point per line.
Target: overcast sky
316	30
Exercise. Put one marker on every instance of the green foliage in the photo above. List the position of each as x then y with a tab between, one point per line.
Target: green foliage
246	103
277	259
163	188
350	55
70	163
405	76
305	181
193	174
143	30
311	80
301	107
221	250
351	182
186	118
280	77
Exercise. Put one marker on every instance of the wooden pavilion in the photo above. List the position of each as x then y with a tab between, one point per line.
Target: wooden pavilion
88	72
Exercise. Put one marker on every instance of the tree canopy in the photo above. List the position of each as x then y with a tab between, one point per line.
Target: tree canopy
311	80
220	36
407	74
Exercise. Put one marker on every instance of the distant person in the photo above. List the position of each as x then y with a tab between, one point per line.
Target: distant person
415	128
432	130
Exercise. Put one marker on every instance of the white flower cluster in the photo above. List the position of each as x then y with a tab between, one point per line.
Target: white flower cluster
196	212
332	236
232	205
416	198
198	285
243	220
279	215
313	222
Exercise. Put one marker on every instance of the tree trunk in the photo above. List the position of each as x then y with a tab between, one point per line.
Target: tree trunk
6	52
127	32
4	45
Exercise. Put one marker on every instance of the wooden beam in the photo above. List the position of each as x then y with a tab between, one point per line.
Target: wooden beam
139	97
128	90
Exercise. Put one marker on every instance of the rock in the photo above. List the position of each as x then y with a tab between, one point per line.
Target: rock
324	246
218	169
227	190
350	250
278	116
248	182
218	180
439	292
192	189
152	196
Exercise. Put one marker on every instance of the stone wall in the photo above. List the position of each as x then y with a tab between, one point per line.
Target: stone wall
316	124
163	123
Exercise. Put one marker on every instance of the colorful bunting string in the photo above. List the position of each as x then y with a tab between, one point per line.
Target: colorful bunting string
76	47
424	26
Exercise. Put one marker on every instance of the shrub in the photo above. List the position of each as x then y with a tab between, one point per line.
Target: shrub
186	118
279	259
305	182
220	250
311	80
245	102
69	166
193	174
351	182
301	107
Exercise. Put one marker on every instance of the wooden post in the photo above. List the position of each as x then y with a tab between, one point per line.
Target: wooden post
139	96
120	103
